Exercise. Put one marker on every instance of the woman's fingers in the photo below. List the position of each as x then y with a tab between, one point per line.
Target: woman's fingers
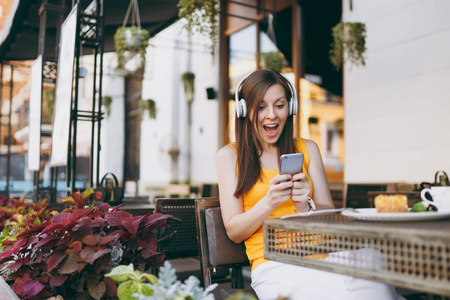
301	188
280	189
300	185
299	177
280	178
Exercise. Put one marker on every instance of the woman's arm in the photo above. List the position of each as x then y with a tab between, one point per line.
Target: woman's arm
239	224
321	194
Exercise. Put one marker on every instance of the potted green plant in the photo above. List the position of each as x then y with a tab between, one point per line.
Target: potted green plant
68	253
201	16
188	79
148	105
131	47
349	44
106	102
272	60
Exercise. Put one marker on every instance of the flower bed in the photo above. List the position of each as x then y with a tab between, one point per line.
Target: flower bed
50	253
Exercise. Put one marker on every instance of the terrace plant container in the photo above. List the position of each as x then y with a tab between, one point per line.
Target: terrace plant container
349	44
131	42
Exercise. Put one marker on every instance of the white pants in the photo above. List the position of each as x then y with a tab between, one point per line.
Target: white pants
273	279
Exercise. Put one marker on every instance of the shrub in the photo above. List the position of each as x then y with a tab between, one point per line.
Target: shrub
69	253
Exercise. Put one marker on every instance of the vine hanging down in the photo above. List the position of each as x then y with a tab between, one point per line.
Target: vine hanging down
201	16
349	44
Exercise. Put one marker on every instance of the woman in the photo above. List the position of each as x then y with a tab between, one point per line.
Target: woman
251	190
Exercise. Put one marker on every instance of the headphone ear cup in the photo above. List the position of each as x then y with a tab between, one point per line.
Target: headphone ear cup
293	106
243	108
118	195
101	194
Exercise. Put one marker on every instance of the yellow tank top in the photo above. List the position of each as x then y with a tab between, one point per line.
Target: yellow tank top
255	244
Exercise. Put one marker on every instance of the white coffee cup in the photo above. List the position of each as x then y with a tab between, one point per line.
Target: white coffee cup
440	196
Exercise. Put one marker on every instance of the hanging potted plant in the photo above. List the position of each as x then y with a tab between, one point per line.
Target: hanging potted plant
349	44
201	16
188	82
131	42
131	47
272	60
106	102
148	105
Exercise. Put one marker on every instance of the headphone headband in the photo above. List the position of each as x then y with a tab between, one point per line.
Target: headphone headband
241	105
116	182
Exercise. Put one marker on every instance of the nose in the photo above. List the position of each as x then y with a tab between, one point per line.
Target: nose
271	113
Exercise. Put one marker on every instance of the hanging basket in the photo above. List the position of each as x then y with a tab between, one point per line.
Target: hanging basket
349	44
188	79
131	42
131	47
272	60
148	105
106	102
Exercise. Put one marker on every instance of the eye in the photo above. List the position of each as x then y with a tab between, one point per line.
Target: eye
280	106
261	107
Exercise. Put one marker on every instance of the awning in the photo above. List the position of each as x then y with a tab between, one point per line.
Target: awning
19	38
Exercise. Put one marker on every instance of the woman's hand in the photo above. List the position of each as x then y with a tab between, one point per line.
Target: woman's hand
301	189
280	190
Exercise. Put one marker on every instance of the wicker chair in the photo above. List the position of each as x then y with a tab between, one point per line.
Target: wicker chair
179	241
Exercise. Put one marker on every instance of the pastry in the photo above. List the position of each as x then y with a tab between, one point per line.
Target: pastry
391	203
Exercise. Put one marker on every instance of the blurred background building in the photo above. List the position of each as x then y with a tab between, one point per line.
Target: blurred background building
379	123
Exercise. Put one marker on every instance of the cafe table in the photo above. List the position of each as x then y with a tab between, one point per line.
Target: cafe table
412	254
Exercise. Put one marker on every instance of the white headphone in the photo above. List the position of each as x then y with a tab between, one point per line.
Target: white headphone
241	105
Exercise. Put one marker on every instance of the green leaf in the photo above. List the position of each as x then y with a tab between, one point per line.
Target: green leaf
140	288
122	290
183	297
88	192
122	273
126	290
419	207
150	278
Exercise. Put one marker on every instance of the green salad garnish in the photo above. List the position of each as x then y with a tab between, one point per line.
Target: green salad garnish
418	207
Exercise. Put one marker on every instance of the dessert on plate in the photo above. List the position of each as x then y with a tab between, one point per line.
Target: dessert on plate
391	203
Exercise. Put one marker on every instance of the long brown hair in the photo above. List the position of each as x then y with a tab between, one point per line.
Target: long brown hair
249	148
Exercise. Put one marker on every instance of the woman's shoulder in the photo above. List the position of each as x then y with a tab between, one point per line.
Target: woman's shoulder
309	143
311	146
227	152
303	143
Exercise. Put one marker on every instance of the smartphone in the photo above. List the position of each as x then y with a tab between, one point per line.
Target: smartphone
291	163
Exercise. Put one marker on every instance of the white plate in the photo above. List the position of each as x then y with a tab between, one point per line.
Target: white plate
370	214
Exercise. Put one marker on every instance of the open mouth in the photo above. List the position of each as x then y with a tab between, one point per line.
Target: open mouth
271	130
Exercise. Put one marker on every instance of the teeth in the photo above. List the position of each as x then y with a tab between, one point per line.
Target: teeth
272	126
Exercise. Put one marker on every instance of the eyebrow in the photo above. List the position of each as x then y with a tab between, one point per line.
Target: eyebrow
281	98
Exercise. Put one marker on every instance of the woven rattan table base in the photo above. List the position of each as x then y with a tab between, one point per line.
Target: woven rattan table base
413	255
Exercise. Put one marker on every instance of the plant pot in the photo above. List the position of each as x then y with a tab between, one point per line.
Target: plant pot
131	46
188	79
6	292
349	44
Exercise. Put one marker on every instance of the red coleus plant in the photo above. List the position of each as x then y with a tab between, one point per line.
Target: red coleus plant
11	210
69	254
